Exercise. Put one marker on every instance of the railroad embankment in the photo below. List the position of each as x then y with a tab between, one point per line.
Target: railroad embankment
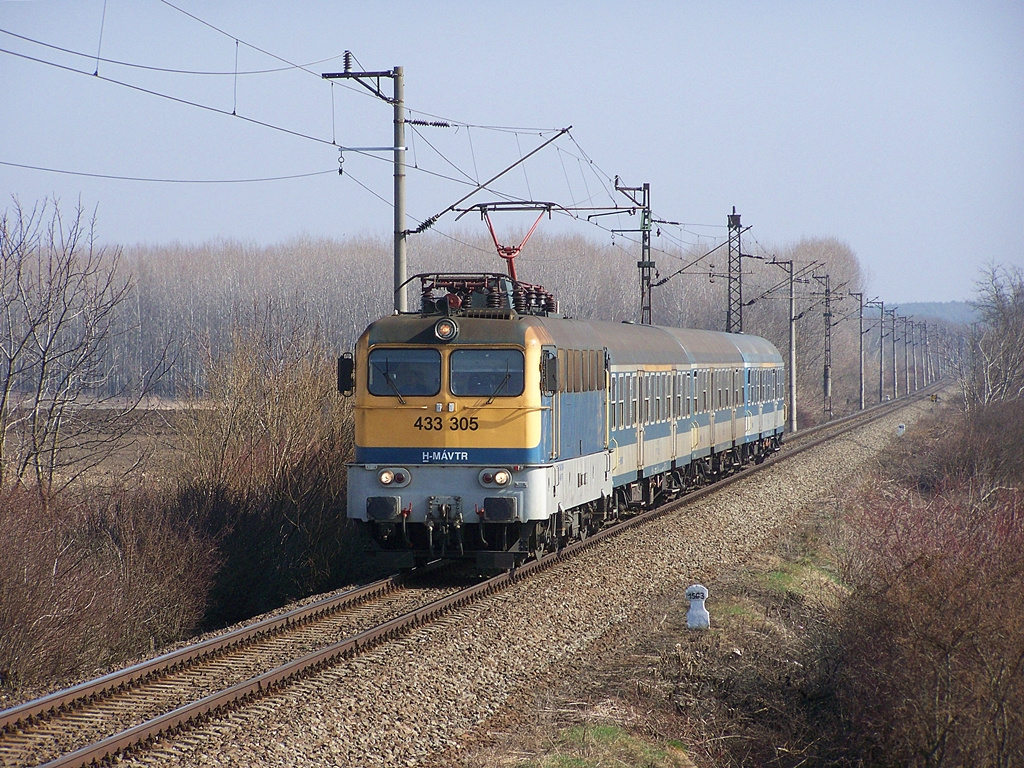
882	624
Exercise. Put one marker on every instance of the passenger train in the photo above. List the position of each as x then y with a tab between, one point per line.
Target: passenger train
488	426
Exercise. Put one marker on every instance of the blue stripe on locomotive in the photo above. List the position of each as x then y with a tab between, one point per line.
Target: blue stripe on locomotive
473	456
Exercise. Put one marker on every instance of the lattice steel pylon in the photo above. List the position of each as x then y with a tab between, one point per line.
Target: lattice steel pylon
826	380
734	315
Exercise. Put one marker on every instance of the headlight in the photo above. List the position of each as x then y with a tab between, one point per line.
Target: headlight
446	329
495	477
393	476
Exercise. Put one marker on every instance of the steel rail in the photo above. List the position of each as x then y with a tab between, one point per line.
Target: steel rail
877	407
122	679
266	683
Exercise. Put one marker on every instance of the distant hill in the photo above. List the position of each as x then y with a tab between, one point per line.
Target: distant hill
950	311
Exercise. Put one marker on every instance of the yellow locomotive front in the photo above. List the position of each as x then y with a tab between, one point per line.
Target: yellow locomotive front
449	406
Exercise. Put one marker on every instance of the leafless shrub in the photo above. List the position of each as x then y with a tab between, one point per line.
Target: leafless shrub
990	364
90	582
933	648
263	469
60	299
954	453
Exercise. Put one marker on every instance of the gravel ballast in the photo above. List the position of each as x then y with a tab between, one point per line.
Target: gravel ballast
409	701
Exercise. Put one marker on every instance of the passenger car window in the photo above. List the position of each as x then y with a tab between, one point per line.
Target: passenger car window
487	372
404	372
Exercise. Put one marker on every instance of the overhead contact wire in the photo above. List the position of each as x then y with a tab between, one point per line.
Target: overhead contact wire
177	99
166	70
164	180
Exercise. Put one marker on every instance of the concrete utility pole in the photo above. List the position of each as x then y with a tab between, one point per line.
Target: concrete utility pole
913	353
926	357
791	389
892	338
398	102
734	313
401	264
941	345
881	345
860	340
826	380
906	352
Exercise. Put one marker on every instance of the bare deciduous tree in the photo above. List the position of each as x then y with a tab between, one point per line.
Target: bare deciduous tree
61	294
991	366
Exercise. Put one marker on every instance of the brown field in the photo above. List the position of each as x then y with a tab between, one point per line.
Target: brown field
149	445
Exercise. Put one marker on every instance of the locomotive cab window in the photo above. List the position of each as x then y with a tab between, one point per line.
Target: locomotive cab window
404	372
487	372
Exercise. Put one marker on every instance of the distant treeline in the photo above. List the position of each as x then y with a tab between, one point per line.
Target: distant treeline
190	299
946	311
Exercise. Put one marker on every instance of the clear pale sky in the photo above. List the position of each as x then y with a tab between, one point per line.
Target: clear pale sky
896	127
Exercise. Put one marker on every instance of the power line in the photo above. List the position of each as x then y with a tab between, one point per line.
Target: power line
606	177
166	70
430	221
304	67
439	122
167	96
441	155
164	180
582	158
462	242
379	197
239	40
233	112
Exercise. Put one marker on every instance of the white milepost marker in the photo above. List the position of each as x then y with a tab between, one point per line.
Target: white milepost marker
697	617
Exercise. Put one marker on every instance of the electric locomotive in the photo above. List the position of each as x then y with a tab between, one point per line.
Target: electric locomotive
487	426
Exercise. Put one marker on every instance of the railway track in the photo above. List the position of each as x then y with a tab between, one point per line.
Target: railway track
132	705
870	413
130	708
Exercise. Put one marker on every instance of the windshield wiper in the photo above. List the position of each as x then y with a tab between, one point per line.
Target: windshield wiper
497	389
394	387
